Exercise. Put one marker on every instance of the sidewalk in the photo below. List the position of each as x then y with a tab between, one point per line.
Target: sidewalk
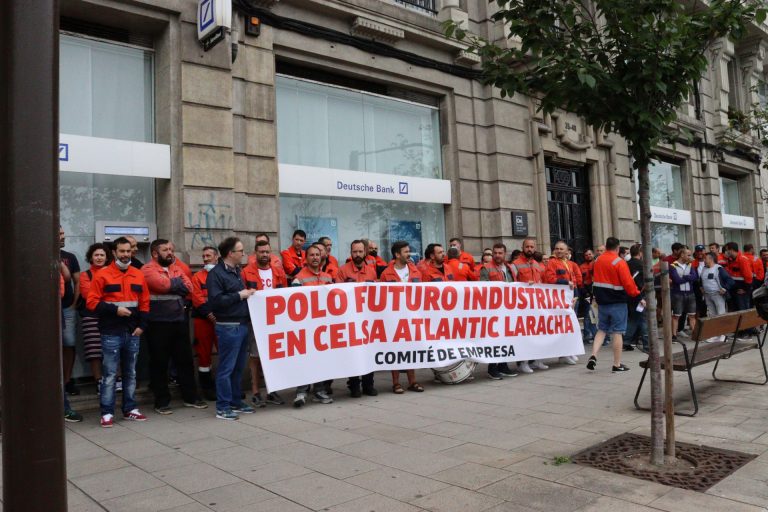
483	445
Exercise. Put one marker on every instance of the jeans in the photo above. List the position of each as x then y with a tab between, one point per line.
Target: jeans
169	341
122	349
590	329
637	326
740	301
233	354
69	330
612	318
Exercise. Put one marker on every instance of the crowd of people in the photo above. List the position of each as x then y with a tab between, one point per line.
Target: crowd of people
119	300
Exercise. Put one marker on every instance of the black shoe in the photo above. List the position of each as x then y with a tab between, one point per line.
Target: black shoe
591	363
628	348
72	388
257	401
620	368
495	375
355	392
275	399
370	392
505	370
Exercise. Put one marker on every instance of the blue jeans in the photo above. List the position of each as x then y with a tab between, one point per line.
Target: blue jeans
637	325
69	328
590	329
118	349
612	318
233	353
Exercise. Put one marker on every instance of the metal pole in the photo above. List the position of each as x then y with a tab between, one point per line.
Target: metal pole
34	470
669	403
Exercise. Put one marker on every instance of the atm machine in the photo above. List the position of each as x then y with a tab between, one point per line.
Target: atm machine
143	232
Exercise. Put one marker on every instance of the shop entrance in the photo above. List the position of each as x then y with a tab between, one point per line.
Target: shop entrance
568	204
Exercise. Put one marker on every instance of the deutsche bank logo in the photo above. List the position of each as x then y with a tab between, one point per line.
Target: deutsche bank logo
63	152
403	187
205	14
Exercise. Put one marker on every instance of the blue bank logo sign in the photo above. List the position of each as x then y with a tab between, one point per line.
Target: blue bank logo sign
320	181
63	152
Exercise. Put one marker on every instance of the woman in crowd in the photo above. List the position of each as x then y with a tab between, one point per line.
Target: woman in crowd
98	256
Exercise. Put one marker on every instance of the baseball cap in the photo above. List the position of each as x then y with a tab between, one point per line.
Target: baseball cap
699	248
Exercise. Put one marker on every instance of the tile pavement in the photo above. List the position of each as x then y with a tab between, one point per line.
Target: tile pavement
480	446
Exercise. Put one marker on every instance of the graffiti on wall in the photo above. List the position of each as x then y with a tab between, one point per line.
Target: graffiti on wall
209	220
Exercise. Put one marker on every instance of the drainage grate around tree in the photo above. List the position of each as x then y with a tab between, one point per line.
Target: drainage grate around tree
697	468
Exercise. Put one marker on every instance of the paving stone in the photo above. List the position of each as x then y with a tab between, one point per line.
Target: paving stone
343	466
471	476
205	444
235	458
742	489
164	461
160	498
433	443
455	499
328	437
233	497
195	477
539	494
608	504
618	486
681	500
373	503
139	449
543	468
272	472
485	455
316	491
397	484
118	482
95	465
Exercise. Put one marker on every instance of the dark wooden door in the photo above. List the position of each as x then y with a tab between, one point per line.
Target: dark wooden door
568	204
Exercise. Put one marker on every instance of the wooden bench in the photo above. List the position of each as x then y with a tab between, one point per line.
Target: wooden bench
727	325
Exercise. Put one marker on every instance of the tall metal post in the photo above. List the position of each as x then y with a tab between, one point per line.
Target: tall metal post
34	470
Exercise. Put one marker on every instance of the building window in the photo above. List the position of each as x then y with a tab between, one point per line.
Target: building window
332	127
664	235
106	91
666	185
734	235
729	196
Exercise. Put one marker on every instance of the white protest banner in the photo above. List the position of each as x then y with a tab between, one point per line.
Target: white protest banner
314	333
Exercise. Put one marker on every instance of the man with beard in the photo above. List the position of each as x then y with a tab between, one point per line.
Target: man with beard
312	275
357	271
262	274
119	296
532	272
461	271
168	332
435	269
135	262
464	257
294	257
328	244
330	267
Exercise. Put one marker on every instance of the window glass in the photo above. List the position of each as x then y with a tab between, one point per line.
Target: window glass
666	189
106	90
664	235
734	235
324	126
729	196
345	220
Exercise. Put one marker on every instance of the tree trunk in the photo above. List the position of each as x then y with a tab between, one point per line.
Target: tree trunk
669	403
657	405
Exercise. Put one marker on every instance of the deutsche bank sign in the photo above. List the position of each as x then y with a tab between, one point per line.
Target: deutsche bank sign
214	19
321	181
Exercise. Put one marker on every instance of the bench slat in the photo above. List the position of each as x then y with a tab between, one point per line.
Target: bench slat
705	354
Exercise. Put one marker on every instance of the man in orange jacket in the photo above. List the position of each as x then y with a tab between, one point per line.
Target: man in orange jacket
262	274
499	270
758	270
275	259
464	257
294	257
435	268
740	269
358	271
528	269
612	286
120	297
401	270
204	322
328	244
312	275
461	270
168	331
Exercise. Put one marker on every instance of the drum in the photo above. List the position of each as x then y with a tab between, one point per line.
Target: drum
456	373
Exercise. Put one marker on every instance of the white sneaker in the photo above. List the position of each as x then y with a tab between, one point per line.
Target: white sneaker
575	359
722	338
300	400
538	365
566	360
715	339
523	367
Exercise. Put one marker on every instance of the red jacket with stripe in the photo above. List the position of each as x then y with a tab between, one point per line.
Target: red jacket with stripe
612	282
112	288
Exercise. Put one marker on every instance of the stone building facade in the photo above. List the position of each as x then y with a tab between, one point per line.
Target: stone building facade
289	128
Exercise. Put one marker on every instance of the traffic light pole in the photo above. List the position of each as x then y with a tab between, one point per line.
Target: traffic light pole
34	468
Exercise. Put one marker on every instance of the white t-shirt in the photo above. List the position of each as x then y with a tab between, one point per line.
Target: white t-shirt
266	278
403	273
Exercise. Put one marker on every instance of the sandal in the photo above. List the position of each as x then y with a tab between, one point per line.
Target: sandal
415	387
398	389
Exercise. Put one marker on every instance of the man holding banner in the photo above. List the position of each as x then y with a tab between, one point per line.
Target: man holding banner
312	275
401	270
499	270
357	270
